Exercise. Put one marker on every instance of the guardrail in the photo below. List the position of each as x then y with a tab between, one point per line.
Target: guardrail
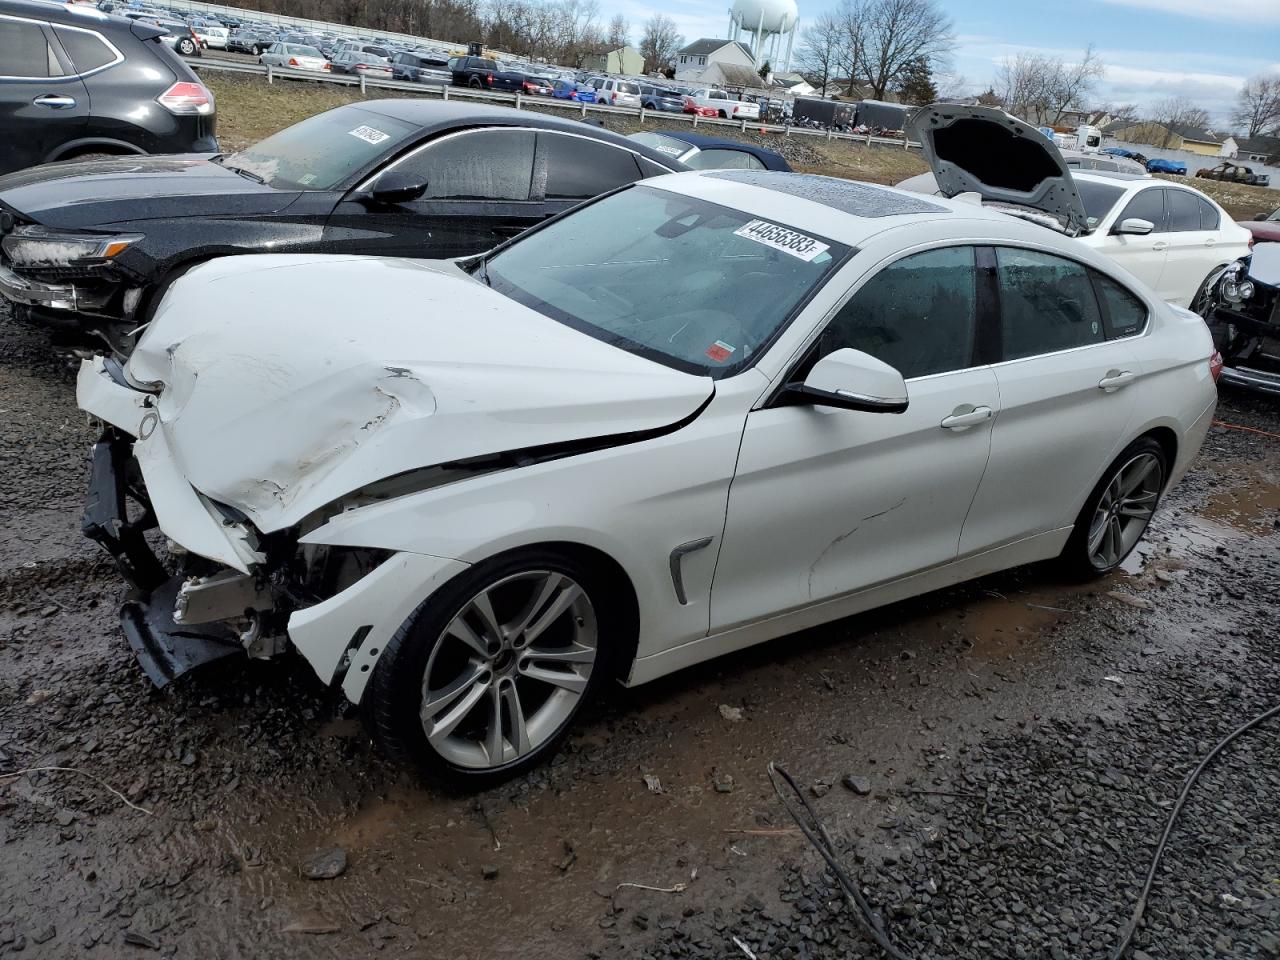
519	101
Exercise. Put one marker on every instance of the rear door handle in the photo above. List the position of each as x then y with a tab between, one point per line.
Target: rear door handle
1160	245
54	101
968	418
1115	379
1210	241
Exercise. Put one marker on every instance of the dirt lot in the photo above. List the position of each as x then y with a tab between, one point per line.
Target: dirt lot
1014	745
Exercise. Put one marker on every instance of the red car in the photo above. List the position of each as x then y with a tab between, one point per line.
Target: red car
691	106
1264	227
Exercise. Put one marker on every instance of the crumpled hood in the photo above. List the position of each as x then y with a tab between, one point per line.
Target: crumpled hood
94	193
983	150
289	381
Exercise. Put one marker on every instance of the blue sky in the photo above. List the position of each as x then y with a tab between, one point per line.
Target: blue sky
1202	49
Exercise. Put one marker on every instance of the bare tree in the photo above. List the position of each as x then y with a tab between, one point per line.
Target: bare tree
821	50
1258	106
896	33
1041	88
618	33
659	43
1175	115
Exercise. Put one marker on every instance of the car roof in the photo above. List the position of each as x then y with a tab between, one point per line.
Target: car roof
704	142
73	14
436	115
847	211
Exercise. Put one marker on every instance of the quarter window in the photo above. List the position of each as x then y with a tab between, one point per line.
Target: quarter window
88	51
1184	211
24	51
1125	314
1209	219
1147	205
917	315
1047	304
485	165
578	169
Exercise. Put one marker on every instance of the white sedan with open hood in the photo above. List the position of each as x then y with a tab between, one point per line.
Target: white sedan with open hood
698	413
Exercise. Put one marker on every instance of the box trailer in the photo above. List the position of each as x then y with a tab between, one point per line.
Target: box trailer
878	115
826	113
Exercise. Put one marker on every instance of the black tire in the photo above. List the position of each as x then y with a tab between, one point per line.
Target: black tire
393	697
475	83
1077	559
723	115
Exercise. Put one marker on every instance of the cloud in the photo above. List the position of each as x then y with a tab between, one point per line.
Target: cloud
1241	11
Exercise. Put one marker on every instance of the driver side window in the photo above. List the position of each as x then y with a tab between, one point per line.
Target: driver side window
918	314
481	165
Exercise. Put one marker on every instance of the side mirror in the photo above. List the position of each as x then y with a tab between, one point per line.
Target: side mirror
853	380
1134	225
1260	216
393	187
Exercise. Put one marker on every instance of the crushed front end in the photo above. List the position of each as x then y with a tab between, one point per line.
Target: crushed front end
1242	308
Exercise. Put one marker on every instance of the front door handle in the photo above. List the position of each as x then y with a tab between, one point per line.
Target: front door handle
1210	241
1115	379
1160	245
55	101
967	416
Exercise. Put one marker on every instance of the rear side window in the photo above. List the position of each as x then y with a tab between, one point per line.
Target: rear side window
1047	304
1124	314
24	52
717	159
484	165
88	51
1184	211
578	169
1147	205
917	315
1209	219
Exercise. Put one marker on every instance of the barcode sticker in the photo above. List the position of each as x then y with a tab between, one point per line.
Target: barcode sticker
782	238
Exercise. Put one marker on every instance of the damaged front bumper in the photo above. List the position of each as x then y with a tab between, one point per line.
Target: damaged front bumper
52	296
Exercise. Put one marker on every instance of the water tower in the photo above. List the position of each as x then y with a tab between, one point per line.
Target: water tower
767	21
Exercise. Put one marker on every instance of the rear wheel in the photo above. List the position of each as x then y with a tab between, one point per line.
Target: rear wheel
186	47
475	83
484	679
1119	510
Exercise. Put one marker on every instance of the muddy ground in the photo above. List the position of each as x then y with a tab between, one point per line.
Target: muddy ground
1015	745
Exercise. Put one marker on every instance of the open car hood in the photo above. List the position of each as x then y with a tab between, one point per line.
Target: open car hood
983	150
290	381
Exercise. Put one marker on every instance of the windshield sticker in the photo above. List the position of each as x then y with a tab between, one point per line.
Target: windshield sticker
781	238
307	179
369	134
720	351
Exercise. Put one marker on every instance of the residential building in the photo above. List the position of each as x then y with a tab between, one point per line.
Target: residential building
1252	149
624	60
713	62
1192	139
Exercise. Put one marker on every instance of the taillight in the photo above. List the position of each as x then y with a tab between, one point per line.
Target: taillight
528	87
186	98
1215	365
489	76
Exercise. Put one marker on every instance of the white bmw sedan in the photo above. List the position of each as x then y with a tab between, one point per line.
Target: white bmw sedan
693	415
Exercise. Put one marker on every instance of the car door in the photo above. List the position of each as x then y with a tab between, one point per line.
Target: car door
1143	255
1065	399
1193	237
826	501
42	103
479	193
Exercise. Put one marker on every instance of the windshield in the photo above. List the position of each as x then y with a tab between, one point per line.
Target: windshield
321	151
690	284
1098	199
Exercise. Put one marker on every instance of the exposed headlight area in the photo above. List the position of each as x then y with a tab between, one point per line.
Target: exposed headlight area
61	270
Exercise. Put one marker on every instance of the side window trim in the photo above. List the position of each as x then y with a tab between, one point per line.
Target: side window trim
52	48
988	334
115	51
1096	278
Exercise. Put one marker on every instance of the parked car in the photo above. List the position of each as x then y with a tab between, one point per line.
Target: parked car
1234	173
254	40
1243	313
617	93
1127	154
537	86
1101	161
210	33
482	73
663	99
90	245
81	82
700	152
421	68
1264	227
1160	165
295	56
581	483
1171	237
178	36
725	105
573	90
360	65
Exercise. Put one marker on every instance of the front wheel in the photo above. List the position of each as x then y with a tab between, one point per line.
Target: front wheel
484	678
1118	511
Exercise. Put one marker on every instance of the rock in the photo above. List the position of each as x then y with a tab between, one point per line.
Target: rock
722	782
489	872
38	697
732	714
135	939
859	785
189	759
313	924
325	864
43	934
820	788
653	783
1138	603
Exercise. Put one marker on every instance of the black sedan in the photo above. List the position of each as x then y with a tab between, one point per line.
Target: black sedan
92	244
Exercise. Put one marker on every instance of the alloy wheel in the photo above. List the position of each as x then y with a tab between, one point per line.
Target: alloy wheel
1124	510
509	669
